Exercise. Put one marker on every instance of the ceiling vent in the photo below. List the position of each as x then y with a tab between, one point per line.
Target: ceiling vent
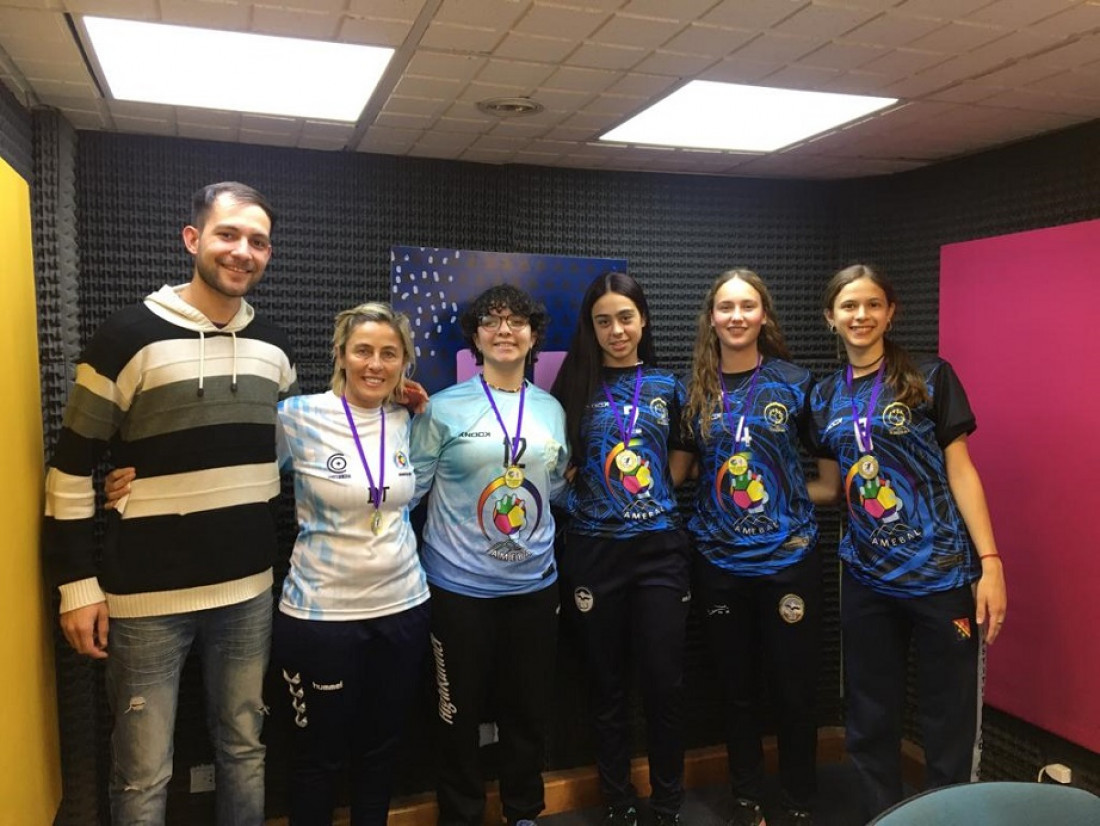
509	107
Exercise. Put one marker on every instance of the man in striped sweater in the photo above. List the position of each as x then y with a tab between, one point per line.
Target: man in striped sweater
183	387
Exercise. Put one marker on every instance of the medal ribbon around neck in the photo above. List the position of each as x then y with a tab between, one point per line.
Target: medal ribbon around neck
375	492
741	432
862	426
625	432
512	442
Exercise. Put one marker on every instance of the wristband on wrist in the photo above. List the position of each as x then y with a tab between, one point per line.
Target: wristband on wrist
987	556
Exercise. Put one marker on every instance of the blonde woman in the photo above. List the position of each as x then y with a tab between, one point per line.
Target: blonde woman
352	629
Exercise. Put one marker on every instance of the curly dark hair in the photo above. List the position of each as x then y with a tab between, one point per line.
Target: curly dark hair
504	297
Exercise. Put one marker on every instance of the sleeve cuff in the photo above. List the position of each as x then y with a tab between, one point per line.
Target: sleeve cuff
81	593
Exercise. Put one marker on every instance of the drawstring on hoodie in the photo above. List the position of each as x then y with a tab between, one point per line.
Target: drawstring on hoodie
233	381
166	303
202	363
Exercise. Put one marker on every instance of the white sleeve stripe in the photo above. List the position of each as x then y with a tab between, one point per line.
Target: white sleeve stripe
80	593
68	496
98	384
202	490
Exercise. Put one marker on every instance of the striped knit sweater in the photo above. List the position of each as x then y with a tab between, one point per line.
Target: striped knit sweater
192	407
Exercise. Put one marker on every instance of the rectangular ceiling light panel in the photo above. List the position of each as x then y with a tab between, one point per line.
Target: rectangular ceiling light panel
705	114
236	71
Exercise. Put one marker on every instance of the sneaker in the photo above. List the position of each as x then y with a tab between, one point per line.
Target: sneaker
621	816
796	817
666	819
746	813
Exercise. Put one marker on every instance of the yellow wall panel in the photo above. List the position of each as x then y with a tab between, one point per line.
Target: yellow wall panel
30	773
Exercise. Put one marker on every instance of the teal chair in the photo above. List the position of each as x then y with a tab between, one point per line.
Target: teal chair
996	804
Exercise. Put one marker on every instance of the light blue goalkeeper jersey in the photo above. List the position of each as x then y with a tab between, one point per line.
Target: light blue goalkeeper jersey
489	532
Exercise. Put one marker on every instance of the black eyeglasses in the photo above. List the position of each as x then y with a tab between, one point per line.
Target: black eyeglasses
514	322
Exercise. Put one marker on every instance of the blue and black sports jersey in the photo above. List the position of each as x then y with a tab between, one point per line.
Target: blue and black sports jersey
752	515
625	490
905	534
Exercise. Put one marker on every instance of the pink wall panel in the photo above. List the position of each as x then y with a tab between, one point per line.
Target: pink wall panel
1020	321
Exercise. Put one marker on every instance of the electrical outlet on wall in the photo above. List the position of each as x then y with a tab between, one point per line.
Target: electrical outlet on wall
202	778
1058	772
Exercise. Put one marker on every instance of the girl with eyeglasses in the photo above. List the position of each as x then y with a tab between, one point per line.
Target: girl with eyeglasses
493	451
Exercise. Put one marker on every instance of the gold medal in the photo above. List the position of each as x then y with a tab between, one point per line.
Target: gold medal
513	476
627	461
867	466
376	523
738	463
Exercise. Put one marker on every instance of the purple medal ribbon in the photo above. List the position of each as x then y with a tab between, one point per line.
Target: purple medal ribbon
375	492
513	442
626	432
741	433
862	426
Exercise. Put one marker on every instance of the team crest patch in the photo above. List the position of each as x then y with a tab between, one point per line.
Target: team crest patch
962	628
659	408
898	417
792	608
775	414
583	599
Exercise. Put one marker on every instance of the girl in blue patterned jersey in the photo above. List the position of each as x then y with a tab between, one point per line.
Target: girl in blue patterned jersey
493	451
758	571
920	561
625	562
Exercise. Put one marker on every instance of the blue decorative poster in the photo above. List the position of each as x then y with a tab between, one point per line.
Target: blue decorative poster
432	286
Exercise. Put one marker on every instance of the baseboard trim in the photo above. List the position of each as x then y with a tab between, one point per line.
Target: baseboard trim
571	789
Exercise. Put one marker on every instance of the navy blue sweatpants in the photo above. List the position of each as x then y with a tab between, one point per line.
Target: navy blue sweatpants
767	624
629	600
498	652
946	639
348	688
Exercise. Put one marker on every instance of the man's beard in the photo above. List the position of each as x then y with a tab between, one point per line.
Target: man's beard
209	275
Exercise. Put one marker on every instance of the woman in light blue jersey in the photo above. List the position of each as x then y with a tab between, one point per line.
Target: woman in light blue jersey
920	561
355	603
493	451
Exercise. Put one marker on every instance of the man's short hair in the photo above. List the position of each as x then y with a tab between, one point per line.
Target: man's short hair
203	200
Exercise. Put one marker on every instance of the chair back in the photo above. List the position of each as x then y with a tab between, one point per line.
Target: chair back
996	804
